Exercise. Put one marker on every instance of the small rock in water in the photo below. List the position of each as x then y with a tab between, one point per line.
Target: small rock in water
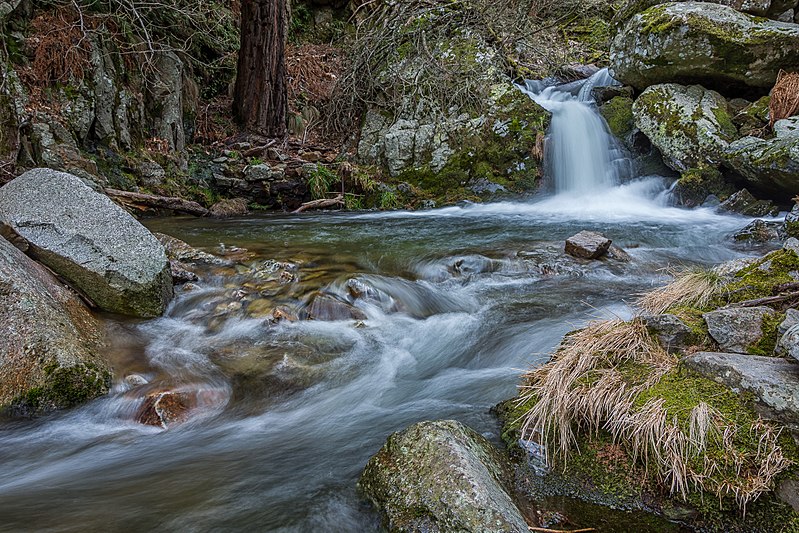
181	273
759	231
743	203
324	307
135	380
619	254
163	409
587	245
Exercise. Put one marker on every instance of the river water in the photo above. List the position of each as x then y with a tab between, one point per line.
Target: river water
462	300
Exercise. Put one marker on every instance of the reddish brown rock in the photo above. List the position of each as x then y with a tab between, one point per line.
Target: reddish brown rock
588	245
163	409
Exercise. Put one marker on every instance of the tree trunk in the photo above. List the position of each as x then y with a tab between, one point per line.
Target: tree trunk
259	99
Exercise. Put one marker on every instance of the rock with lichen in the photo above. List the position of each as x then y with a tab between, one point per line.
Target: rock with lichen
52	349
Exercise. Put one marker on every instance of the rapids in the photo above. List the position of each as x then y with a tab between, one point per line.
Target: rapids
467	297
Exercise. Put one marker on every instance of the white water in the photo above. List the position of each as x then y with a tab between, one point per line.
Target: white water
582	156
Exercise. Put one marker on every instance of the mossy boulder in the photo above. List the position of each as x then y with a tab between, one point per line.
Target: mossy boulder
697	184
618	113
769	166
51	347
689	125
697	42
441	476
762	8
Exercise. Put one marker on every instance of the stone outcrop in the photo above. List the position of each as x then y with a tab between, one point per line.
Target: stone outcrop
51	347
743	203
768	165
689	125
698	42
736	329
773	381
441	476
93	243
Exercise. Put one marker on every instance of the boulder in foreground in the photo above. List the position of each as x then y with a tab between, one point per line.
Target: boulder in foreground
50	344
84	237
441	476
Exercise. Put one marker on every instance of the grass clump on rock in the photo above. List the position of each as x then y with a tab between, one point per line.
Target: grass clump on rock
693	438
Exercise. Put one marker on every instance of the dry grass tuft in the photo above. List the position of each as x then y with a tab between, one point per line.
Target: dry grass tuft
695	288
784	101
582	386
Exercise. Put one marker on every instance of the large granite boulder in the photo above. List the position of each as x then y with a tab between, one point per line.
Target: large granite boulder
769	165
698	42
51	347
773	381
441	476
94	244
689	125
761	8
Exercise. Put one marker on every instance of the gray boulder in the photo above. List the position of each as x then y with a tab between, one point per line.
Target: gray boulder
671	332
704	43
93	243
588	245
759	231
791	319
51	347
791	225
689	125
768	165
441	476
736	329
788	344
773	381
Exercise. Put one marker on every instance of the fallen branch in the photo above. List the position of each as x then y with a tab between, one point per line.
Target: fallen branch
143	202
321	204
545	530
768	300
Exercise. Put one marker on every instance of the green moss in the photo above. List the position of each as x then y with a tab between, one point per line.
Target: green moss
618	113
766	344
759	279
511	416
65	386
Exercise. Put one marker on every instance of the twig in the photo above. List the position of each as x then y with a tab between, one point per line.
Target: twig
766	301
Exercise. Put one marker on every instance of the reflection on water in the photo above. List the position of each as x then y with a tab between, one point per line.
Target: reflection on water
451	305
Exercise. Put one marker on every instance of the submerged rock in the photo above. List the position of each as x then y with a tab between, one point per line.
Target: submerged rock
441	476
587	245
90	241
326	307
773	381
698	42
168	408
736	329
51	347
689	125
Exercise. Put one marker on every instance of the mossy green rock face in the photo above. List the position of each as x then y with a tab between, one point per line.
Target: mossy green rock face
50	345
618	113
89	240
697	42
770	166
689	125
441	476
762	8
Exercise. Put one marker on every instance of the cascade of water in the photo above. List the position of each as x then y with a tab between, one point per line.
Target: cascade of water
581	156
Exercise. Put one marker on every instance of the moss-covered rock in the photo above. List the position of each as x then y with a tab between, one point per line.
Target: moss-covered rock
441	476
618	113
52	347
689	125
769	166
696	184
697	42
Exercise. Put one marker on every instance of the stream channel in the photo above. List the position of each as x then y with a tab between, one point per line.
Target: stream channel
455	303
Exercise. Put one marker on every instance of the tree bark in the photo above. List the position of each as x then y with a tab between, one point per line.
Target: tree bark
259	99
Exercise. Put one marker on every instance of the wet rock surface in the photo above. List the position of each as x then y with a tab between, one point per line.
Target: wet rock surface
66	225
441	476
587	245
52	349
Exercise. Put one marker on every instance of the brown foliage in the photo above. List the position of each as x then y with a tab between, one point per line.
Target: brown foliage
784	97
312	71
61	48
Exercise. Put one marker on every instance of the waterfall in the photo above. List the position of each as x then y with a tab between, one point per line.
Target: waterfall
582	156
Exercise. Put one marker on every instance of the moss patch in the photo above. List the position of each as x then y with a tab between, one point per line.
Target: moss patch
64	387
618	113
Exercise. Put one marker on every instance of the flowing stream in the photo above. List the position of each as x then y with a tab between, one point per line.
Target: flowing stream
457	301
